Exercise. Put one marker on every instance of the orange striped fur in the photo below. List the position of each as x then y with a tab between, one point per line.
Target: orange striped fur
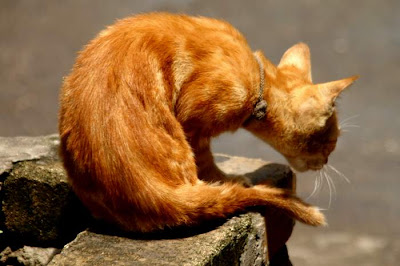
147	94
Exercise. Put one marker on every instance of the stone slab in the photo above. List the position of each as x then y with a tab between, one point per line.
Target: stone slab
27	255
39	206
239	241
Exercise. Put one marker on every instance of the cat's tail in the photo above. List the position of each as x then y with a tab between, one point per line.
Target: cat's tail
191	204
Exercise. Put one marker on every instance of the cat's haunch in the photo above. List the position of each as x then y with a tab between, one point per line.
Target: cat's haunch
147	94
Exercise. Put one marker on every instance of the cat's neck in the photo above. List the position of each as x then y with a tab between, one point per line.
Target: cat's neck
231	96
260	107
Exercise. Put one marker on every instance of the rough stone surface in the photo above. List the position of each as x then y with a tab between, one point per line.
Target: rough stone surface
15	149
26	148
259	171
40	208
221	246
38	203
279	226
240	241
31	256
255	251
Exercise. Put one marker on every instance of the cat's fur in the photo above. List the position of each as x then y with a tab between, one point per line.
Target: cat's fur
147	94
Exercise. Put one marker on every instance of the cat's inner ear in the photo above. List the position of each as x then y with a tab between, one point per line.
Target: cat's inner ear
331	90
298	56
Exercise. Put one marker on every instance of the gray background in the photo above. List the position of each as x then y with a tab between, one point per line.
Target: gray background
39	41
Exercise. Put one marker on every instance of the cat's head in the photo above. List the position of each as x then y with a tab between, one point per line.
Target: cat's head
301	121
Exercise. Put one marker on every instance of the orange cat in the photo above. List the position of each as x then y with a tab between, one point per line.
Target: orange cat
147	94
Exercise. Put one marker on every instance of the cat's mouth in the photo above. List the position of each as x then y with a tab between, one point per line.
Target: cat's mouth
306	168
316	168
302	165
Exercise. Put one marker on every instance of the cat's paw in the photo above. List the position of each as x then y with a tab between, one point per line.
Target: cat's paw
297	208
308	214
317	218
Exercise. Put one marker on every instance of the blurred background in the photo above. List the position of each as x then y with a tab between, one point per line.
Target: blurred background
40	39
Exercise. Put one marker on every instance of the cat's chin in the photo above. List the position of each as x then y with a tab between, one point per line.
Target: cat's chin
302	170
298	169
297	164
304	167
307	164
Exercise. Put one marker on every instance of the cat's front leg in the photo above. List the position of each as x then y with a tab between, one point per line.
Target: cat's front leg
207	170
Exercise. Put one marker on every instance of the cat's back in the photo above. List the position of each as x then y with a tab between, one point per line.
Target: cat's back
144	44
174	25
166	33
143	61
164	37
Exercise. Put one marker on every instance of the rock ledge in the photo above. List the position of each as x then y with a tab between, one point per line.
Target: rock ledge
40	214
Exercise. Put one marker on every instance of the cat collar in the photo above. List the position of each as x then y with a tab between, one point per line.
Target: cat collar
260	108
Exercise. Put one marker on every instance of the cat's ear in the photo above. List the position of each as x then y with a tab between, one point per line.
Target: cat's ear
331	90
298	56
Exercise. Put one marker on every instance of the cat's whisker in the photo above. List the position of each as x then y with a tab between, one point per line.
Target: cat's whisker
348	119
323	175
331	179
348	126
315	188
345	123
317	185
328	181
330	193
344	127
339	173
321	181
333	185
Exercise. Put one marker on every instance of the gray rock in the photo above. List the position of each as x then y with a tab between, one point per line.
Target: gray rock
40	208
29	256
239	241
259	171
38	203
17	149
255	252
5	254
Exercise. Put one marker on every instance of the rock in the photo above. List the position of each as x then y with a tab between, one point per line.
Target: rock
279	226
30	256
240	240
4	255
26	148
15	149
259	171
255	252
39	205
40	208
